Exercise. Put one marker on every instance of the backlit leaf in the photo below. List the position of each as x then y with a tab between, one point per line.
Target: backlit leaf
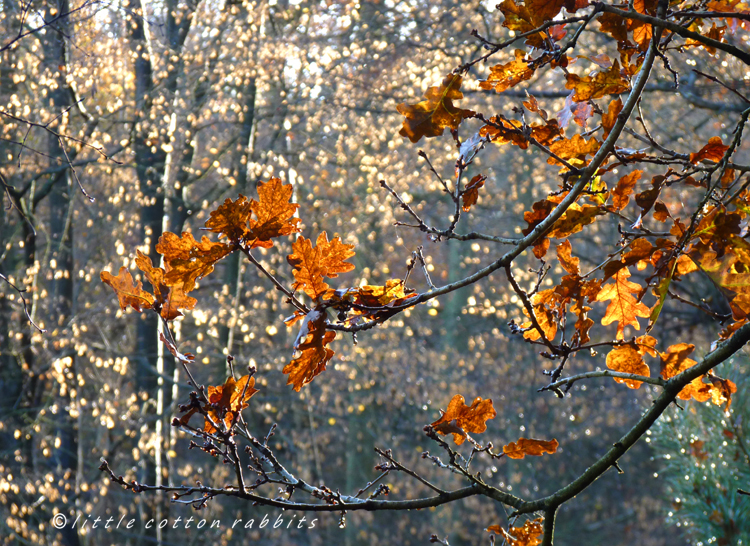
274	214
311	342
624	308
169	299
610	117
431	117
471	193
188	259
530	534
504	76
627	359
623	189
713	151
530	446
128	294
227	400
311	264
230	219
460	419
603	83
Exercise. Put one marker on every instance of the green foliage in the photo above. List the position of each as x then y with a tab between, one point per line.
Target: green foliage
706	460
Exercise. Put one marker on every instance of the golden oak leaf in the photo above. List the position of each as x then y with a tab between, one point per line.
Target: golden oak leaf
502	131
623	308
274	213
460	419
627	359
609	82
576	148
311	341
375	296
676	361
431	117
530	534
623	189
640	250
713	151
721	390
505	76
188	259
574	220
566	258
227	400
529	446
471	193
310	264
519	19
169	299
547	311
128	294
610	118
230	219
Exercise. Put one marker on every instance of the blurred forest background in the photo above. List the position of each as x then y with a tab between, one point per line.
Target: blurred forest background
168	114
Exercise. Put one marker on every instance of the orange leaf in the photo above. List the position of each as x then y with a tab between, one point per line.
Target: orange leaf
504	76
713	151
311	341
188	259
565	256
640	250
530	446
128	294
624	308
230	219
459	419
274	213
528	535
576	148
626	359
610	118
624	188
471	193
169	299
431	117
312	264
676	361
603	83
225	401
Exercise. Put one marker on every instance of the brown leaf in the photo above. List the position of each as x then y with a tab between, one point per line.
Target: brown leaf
311	341
431	117
623	308
312	264
640	250
188	259
565	256
576	148
529	535
230	219
471	193
603	83
713	151
128	294
623	189
225	401
505	76
610	118
574	220
466	418
274	214
529	446
169	299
